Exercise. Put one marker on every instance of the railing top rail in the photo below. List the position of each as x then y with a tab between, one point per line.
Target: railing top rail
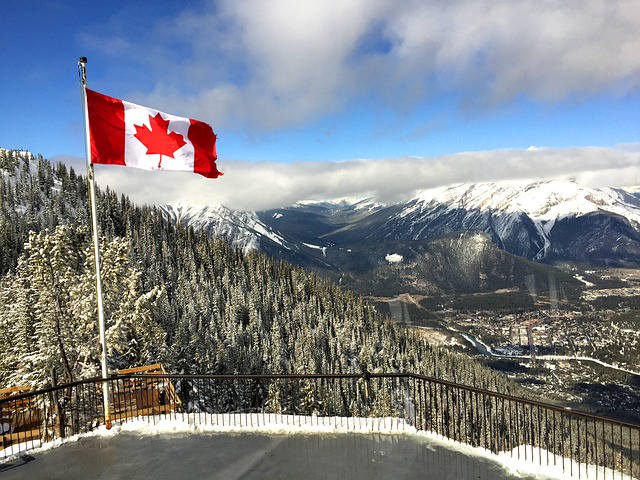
42	391
532	403
265	376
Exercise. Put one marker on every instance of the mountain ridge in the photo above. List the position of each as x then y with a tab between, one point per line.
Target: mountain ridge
554	223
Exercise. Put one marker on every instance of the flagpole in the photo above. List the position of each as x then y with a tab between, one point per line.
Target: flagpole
82	71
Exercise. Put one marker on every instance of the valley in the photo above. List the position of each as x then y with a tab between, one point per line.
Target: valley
583	352
563	329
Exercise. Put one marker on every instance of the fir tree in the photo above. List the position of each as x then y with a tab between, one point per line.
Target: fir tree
48	307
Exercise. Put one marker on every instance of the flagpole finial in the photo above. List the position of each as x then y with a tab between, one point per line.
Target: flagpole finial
82	70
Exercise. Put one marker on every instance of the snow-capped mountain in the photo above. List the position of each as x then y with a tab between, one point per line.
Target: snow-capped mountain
549	222
546	221
243	230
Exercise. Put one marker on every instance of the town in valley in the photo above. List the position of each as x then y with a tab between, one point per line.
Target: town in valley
581	353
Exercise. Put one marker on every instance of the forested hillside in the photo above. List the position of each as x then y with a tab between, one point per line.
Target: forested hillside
174	295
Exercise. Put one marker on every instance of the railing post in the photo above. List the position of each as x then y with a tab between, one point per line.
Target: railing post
366	377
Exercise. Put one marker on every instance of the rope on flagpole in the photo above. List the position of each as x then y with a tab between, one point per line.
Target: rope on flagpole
82	71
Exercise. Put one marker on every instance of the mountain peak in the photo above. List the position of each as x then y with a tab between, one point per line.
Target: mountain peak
541	201
343	202
244	230
551	221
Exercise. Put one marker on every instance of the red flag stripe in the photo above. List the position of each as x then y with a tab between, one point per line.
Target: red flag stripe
106	128
203	140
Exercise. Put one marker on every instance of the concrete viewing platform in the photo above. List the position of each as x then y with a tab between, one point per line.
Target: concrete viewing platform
260	456
432	429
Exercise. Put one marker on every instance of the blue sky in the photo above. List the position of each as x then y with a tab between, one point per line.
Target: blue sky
316	98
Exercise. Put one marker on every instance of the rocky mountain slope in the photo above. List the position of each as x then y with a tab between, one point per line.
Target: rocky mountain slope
547	221
463	238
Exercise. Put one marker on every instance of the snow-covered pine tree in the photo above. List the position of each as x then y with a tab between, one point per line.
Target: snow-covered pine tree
49	308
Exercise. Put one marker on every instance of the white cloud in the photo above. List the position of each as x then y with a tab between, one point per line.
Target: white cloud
256	66
267	65
263	185
546	50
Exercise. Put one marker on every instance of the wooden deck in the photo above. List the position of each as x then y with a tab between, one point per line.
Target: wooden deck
20	419
145	396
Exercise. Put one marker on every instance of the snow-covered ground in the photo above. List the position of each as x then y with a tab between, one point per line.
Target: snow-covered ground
522	461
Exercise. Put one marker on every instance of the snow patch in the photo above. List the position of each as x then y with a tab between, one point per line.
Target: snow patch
262	230
316	247
581	279
393	258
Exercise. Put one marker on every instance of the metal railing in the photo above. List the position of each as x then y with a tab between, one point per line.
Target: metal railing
582	445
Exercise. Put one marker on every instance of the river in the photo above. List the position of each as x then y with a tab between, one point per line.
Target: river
485	349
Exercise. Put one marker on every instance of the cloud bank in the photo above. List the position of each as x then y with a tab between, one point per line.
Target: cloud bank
257	67
264	185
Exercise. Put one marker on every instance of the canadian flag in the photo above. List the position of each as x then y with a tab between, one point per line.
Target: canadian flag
123	133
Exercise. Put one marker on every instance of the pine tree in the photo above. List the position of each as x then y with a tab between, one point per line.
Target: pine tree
52	311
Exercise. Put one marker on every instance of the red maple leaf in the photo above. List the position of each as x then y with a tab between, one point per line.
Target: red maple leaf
158	139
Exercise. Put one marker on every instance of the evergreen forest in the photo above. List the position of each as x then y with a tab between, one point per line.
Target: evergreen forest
175	296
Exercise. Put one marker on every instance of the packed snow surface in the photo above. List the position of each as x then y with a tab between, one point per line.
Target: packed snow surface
522	460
